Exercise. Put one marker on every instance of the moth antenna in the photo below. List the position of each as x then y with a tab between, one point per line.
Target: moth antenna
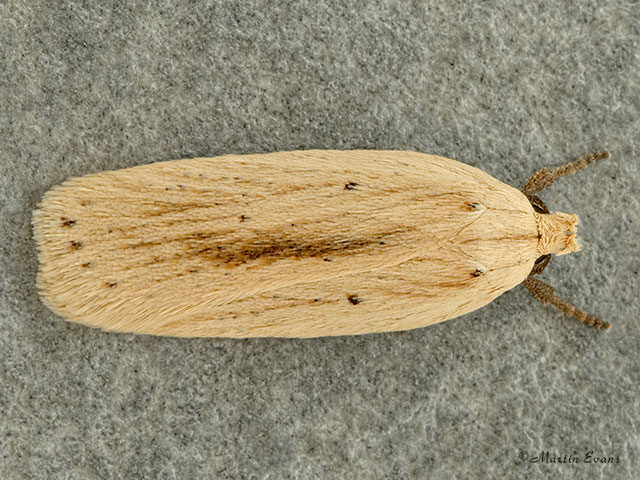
547	294
544	177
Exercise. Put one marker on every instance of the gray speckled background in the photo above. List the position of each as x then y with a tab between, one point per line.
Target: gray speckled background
505	86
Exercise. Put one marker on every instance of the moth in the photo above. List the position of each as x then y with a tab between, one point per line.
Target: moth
295	244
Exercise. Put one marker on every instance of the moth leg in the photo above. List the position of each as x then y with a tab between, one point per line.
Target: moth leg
540	264
547	294
544	177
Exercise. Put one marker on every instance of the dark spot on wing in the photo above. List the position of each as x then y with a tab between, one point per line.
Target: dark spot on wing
354	299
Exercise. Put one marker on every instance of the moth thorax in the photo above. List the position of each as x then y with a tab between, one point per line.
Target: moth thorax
557	233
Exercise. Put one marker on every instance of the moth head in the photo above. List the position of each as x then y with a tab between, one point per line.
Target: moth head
557	233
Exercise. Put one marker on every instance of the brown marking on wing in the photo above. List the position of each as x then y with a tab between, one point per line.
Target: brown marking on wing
270	247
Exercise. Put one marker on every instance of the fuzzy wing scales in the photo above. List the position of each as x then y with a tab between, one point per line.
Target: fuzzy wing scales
284	244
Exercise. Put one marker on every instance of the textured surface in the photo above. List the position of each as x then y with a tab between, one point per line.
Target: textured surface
505	86
310	243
